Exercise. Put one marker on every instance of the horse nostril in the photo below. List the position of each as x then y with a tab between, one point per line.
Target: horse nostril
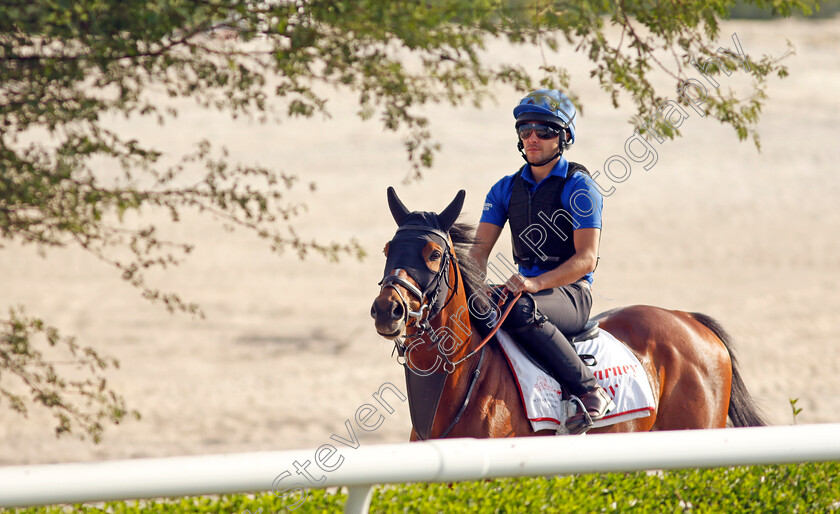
397	311
373	310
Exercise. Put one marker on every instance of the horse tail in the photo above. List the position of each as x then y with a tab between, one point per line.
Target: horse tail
742	409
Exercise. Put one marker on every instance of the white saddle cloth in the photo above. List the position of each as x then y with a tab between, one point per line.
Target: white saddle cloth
617	370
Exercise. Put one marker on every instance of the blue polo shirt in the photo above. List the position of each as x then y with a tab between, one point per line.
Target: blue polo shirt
579	197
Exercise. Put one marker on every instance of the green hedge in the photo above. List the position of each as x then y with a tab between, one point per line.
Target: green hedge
791	488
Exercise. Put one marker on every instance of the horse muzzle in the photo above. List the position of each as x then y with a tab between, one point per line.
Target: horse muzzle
389	317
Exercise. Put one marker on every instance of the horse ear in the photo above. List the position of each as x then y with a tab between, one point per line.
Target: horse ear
450	214
398	210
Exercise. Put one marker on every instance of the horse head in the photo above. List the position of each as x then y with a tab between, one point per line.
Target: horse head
417	267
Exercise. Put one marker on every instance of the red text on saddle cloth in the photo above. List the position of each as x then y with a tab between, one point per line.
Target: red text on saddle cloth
603	374
615	371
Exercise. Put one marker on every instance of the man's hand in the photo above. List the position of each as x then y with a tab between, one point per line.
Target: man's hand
519	284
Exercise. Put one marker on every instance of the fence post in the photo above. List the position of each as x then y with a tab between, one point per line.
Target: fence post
358	499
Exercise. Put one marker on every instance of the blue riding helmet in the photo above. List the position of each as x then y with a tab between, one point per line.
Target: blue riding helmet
549	106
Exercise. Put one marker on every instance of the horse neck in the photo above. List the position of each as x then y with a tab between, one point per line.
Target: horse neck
496	381
451	329
453	323
457	340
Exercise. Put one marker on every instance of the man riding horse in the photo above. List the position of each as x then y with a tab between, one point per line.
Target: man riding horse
554	210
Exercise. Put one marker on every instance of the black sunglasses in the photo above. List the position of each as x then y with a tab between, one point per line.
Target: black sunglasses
543	131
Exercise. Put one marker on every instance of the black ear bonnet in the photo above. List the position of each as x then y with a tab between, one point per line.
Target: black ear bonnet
416	229
405	250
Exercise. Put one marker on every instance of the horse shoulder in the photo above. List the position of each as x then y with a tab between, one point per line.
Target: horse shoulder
500	404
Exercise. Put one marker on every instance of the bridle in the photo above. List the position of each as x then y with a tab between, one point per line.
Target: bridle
424	315
427	312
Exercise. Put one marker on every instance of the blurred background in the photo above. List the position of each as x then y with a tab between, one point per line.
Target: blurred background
288	351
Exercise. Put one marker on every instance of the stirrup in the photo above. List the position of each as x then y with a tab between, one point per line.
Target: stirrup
586	422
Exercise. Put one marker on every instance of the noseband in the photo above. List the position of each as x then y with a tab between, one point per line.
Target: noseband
395	279
431	386
428	309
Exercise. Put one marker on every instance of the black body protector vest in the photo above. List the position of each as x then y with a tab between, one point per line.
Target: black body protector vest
541	228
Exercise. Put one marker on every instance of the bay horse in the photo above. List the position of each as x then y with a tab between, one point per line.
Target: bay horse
456	389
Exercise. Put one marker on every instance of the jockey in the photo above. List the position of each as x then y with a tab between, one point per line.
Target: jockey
554	212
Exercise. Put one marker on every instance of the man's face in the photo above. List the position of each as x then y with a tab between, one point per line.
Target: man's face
536	148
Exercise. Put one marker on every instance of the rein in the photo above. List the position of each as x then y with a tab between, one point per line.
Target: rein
400	346
489	336
479	348
423	318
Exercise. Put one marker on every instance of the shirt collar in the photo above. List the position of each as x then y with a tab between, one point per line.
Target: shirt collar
560	169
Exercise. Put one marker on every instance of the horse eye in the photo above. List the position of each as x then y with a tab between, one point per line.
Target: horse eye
434	256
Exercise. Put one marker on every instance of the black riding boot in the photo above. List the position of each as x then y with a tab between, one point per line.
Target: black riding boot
541	339
548	346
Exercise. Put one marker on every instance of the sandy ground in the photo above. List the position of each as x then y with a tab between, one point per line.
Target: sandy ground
288	351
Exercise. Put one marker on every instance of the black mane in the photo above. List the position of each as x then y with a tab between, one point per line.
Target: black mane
463	239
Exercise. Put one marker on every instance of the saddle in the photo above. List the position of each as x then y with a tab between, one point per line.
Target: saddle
547	404
617	370
589	331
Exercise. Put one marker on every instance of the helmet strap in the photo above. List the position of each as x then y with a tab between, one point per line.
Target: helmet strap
521	148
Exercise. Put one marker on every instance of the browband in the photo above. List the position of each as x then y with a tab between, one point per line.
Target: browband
423	228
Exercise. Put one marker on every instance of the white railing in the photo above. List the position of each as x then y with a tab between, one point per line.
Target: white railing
433	461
